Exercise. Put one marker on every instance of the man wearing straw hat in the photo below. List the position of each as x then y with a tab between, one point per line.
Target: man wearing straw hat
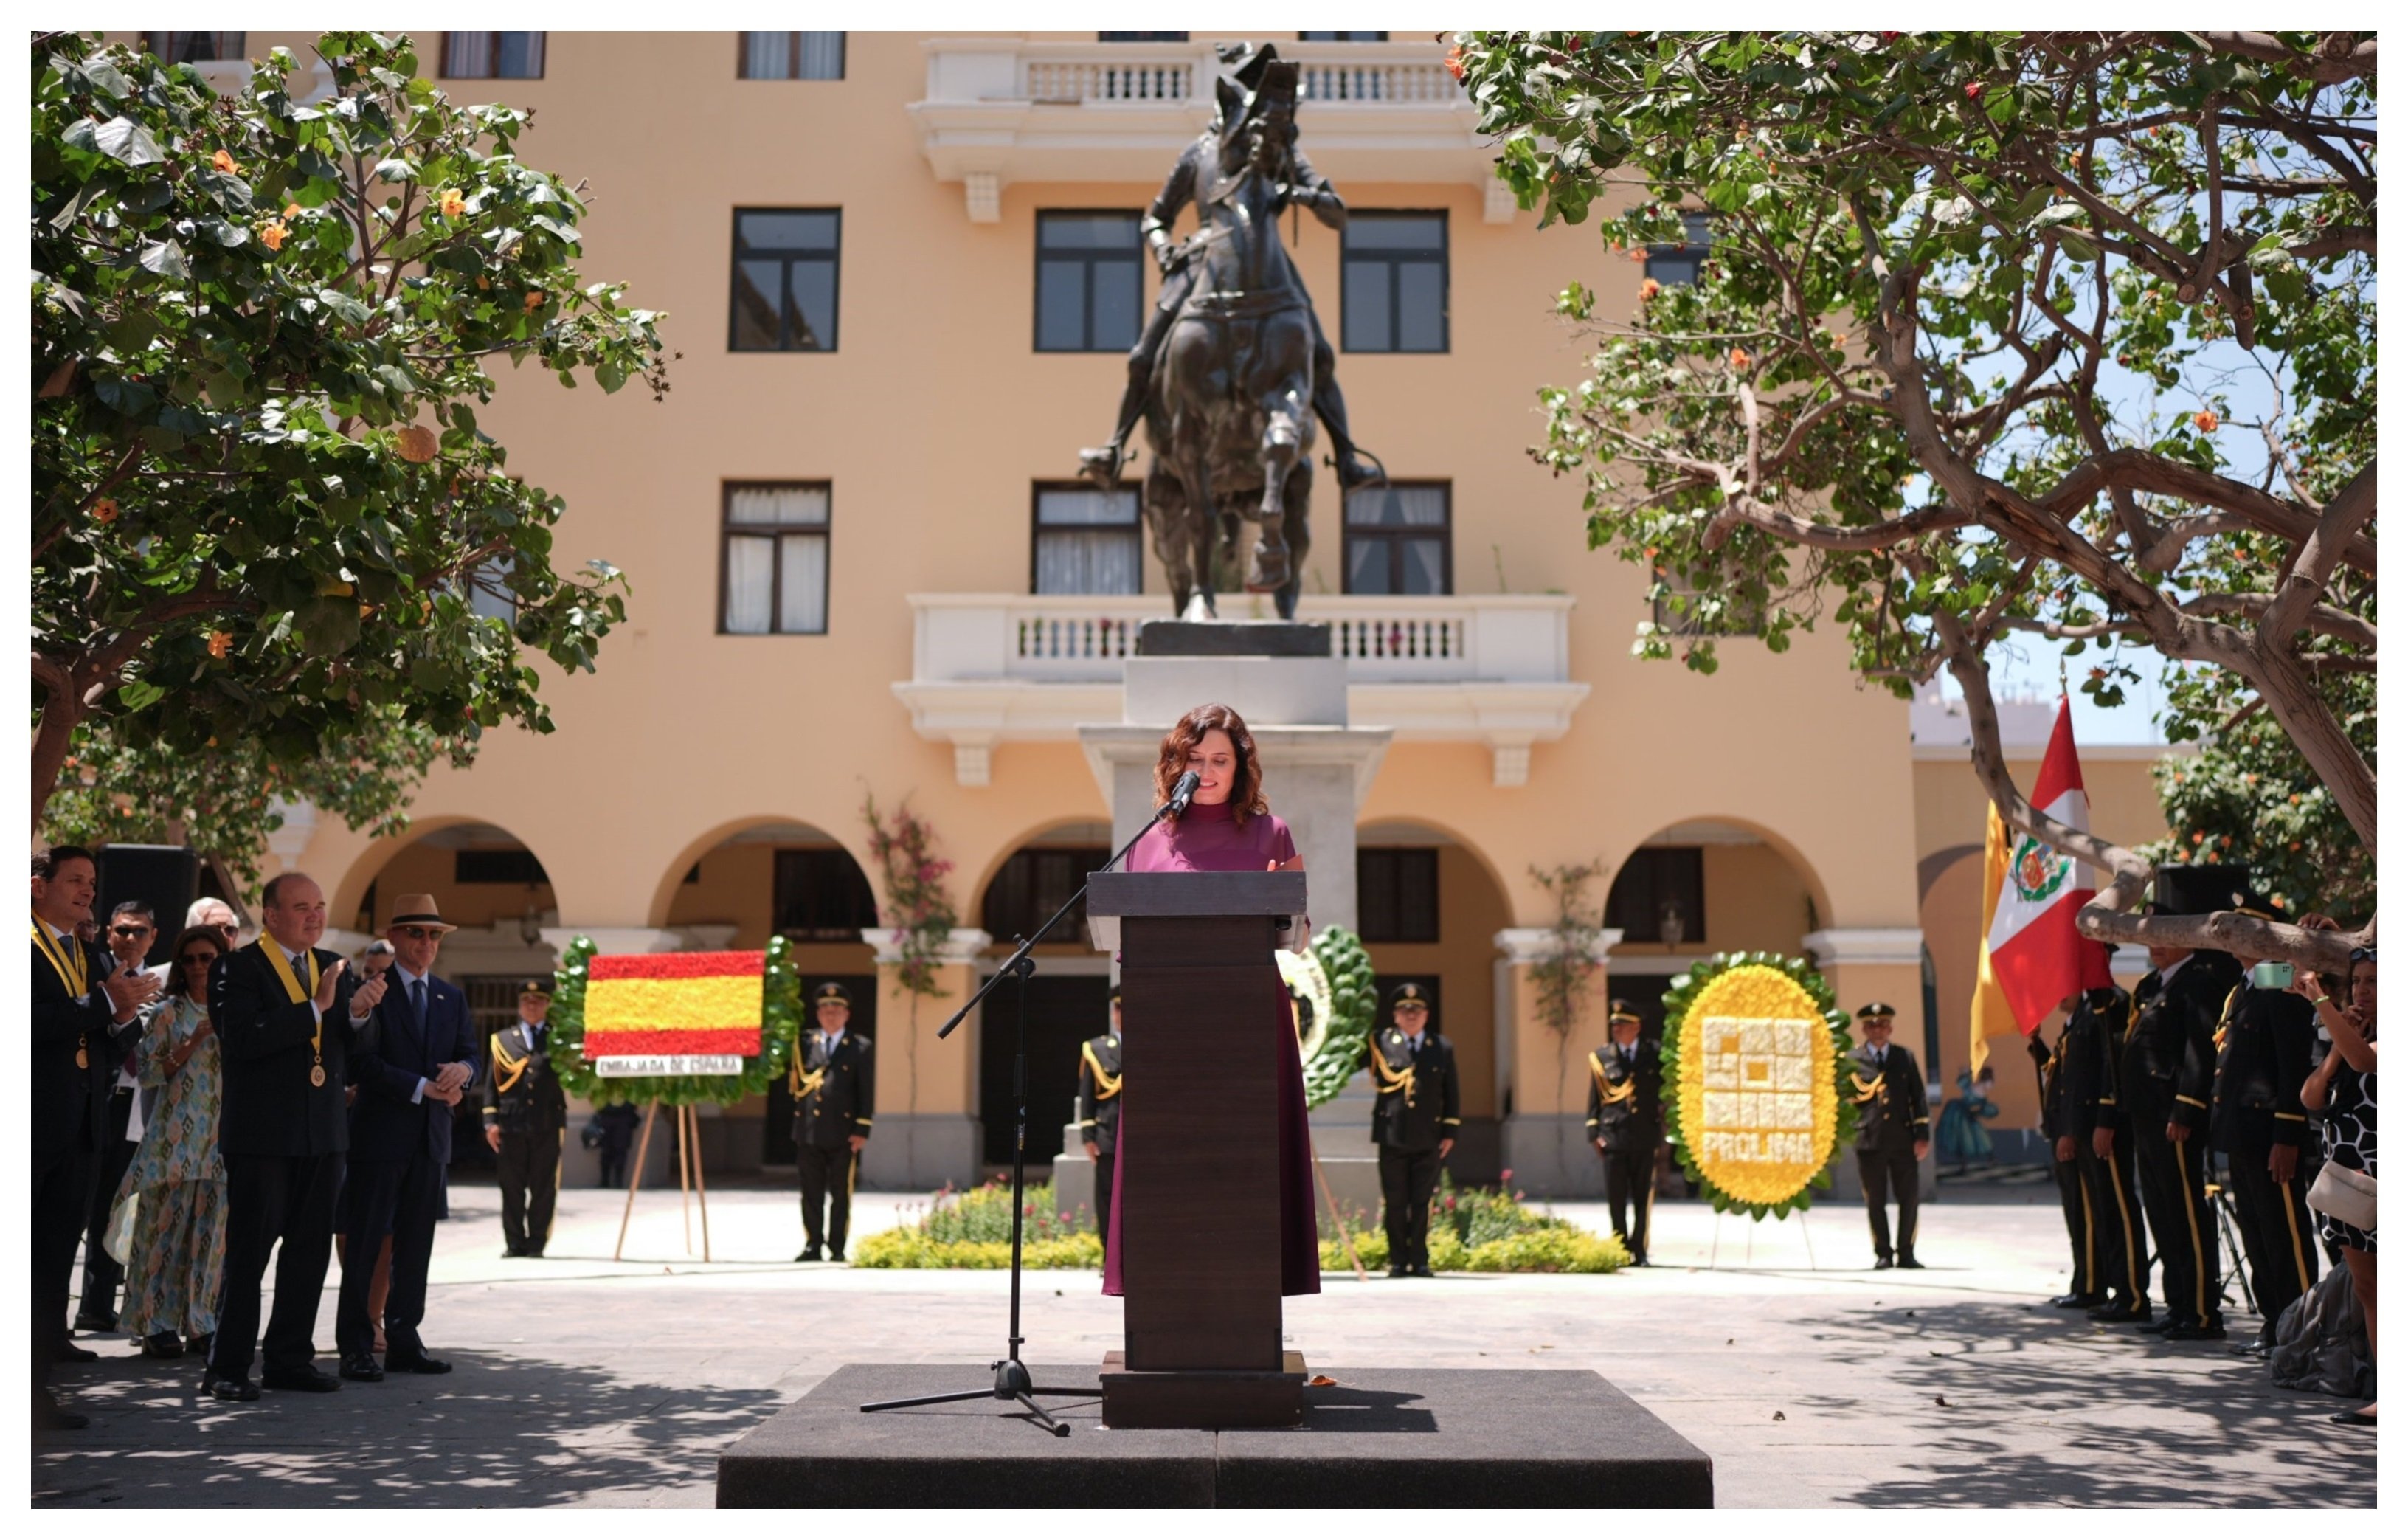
424	1058
526	1122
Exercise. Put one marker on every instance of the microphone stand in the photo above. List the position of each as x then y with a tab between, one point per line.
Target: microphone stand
1011	1377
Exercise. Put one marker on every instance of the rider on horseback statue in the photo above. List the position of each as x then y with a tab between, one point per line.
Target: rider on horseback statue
1237	93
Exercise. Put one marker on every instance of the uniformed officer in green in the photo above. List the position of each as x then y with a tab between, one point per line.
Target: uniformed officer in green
1414	1121
2264	1048
1626	1123
1892	1133
1099	1110
527	1121
834	1082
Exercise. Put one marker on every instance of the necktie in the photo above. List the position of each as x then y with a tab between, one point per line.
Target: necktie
418	1001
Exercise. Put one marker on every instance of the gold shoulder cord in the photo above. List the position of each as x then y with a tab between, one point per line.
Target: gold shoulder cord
507	1071
298	996
799	1084
1107	1086
1388	1078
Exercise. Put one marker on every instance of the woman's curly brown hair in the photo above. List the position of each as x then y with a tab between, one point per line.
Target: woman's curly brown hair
1245	791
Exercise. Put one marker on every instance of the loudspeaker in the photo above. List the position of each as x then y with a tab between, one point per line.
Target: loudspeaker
166	877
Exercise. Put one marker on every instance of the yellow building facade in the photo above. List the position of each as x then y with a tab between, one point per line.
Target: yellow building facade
895	267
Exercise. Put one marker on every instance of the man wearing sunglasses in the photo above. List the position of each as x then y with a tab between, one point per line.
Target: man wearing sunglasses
132	927
422	1064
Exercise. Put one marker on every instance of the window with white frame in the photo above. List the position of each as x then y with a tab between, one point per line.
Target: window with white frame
1086	542
791	56
492	55
774	558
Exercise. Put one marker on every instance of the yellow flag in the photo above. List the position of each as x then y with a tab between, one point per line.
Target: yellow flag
1990	1012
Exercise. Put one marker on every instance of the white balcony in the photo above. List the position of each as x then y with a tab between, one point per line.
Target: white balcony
990	669
1002	109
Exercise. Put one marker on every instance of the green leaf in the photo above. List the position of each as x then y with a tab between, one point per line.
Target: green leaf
164	257
125	140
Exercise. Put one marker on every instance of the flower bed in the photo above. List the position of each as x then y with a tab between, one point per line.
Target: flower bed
973	1230
1484	1229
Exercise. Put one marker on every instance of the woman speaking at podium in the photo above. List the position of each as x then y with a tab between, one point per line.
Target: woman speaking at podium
1229	826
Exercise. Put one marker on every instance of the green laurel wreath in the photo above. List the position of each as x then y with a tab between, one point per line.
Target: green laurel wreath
1353	1002
1679	998
782	1020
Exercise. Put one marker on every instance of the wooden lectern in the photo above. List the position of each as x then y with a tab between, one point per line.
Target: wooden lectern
1197	1176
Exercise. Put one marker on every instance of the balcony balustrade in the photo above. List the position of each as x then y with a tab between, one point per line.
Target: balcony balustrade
990	669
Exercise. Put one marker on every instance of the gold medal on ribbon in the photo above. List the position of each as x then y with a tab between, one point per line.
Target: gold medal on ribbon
317	1074
83	1057
299	995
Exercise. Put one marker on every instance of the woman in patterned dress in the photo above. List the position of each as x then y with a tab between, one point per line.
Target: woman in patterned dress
177	1184
2342	1090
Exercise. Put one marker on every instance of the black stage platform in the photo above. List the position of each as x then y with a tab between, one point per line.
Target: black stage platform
1379	1438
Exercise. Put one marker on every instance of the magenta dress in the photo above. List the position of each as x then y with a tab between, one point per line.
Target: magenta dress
1209	839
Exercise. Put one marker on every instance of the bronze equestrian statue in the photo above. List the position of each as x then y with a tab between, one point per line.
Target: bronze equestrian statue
1233	366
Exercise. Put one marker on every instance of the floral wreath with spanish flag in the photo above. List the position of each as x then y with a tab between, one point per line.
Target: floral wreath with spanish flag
782	1017
1757	1102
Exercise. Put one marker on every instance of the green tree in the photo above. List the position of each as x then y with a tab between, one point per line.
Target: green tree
225	799
263	508
1962	364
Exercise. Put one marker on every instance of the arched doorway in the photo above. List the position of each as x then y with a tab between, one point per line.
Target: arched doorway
491	885
737	887
1428	907
1699	886
1068	999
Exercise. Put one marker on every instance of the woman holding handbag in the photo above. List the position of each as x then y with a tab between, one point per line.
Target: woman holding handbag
2341	1089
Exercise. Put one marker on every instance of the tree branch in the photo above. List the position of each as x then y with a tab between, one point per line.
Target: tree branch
2312	573
2335	60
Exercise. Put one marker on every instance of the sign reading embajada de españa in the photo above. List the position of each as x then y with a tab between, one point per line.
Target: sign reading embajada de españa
673	1013
1754	1061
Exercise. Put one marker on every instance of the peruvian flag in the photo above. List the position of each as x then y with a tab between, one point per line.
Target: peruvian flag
2034	954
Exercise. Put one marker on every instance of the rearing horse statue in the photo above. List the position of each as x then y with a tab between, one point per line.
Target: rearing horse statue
1232	416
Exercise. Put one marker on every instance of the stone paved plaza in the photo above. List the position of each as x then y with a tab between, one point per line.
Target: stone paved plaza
1809	1378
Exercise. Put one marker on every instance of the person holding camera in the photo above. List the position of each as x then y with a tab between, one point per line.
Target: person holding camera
2267	1042
2341	1089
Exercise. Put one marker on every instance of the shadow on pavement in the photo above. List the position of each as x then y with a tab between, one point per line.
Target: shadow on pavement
2166	1434
497	1431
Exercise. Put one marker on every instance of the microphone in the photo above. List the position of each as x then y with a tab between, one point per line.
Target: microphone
1182	792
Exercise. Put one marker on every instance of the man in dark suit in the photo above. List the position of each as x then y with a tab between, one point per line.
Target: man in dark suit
1625	1122
2089	1289
833	1080
1892	1133
84	1020
2267	1046
1099	1110
2093	1044
2168	1075
526	1122
131	928
426	1054
290	1020
1414	1121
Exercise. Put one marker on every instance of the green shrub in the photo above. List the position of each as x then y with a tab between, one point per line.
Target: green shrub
909	1245
984	1213
1484	1229
1559	1247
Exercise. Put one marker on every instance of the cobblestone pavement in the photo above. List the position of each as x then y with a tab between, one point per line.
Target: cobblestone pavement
1811	1379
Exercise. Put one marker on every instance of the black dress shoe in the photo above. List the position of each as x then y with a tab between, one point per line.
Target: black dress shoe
229	1390
313	1379
2196	1331
2079	1302
420	1364
2160	1326
1884	1263
72	1352
95	1323
362	1366
1400	1270
2347	1420
810	1254
1908	1260
2250	1349
2120	1312
199	1346
163	1345
1421	1270
49	1415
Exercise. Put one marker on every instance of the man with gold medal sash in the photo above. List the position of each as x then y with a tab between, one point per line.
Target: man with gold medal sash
289	1017
84	1017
